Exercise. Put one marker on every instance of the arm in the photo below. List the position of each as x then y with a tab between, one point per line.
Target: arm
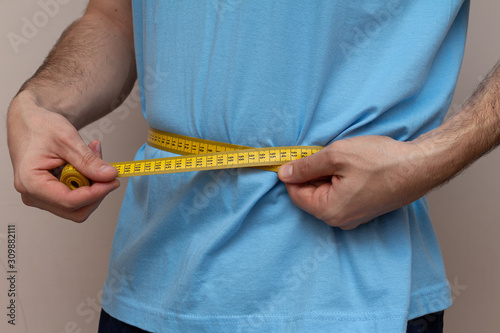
89	69
352	181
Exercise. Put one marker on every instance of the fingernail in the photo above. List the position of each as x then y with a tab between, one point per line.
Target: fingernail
98	147
106	168
286	171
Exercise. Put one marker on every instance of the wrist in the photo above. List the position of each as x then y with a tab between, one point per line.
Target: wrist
441	157
30	99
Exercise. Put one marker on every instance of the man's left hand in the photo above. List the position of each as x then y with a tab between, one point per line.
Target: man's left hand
352	181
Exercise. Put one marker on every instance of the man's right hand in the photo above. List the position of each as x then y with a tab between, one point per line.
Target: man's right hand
90	70
40	140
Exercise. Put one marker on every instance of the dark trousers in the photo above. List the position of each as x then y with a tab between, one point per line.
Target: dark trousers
431	323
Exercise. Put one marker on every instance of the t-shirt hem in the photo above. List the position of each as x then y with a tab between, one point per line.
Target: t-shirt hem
429	300
152	320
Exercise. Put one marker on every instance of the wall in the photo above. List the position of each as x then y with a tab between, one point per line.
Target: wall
466	211
61	266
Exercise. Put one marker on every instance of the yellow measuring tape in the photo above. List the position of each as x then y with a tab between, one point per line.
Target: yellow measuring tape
198	154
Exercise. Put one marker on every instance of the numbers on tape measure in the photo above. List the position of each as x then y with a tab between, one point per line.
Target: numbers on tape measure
198	154
219	160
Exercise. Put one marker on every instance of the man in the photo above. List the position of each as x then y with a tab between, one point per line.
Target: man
370	80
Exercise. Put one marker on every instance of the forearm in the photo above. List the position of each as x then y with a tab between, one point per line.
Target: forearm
352	181
466	136
91	69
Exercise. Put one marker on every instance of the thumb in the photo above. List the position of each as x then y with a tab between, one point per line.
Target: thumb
88	161
308	168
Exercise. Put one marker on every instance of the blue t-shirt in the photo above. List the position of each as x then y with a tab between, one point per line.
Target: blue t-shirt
227	251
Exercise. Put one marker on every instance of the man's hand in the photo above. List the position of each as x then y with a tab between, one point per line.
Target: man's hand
90	70
352	181
40	140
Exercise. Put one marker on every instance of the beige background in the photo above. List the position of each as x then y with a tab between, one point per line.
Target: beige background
62	266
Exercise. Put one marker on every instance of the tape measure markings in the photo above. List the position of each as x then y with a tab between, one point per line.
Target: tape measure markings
198	155
182	145
210	161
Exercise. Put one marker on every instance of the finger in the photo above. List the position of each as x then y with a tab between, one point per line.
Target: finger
94	145
49	190
87	162
311	197
321	200
96	148
308	168
77	212
79	215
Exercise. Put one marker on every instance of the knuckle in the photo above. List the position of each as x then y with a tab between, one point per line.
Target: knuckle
331	153
331	158
337	145
333	218
18	185
347	227
332	221
302	167
88	158
65	137
82	214
79	217
27	200
22	179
